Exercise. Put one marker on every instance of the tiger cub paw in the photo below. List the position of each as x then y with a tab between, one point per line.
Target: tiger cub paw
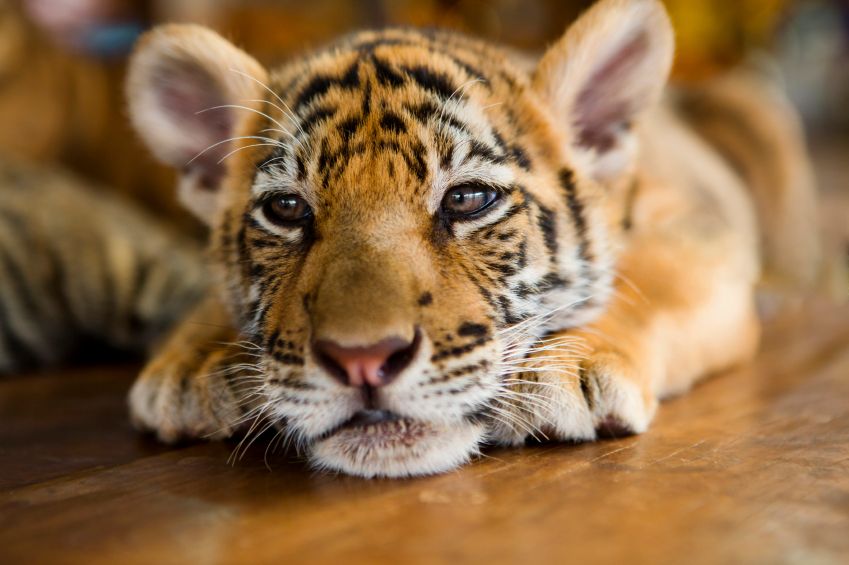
612	392
196	398
582	396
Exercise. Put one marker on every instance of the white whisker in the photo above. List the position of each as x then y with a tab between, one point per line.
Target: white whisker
291	114
243	148
228	140
246	108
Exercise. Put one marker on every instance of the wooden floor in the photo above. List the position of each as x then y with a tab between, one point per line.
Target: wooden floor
751	467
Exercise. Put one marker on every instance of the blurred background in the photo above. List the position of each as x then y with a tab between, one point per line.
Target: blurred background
62	63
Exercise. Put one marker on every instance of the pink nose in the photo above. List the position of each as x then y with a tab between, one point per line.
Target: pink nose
373	365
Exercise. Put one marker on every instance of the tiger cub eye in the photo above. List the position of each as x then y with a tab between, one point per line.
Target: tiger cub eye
468	200
286	209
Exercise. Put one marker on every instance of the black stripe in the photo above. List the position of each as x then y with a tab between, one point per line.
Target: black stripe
270	341
445	147
315	116
522	260
478	149
458	372
460	349
452	120
470	70
485	293
547	222
584	379
551	281
520	157
506	311
252	222
499	141
393	123
296	384
266	242
326	160
433	81
385	74
268	287
513	210
383	145
348	128
504	270
423	112
301	164
487	231
366	108
507	235
261	315
415	161
320	84
288	358
314	88
351	78
576	209
472	329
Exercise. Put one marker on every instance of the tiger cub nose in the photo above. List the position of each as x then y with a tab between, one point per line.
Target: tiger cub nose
373	365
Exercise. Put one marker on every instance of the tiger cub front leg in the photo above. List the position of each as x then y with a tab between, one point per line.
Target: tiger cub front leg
198	385
579	386
669	324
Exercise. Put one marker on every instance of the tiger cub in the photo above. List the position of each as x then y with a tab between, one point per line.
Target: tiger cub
424	243
79	267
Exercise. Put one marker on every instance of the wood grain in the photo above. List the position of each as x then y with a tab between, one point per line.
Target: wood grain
752	467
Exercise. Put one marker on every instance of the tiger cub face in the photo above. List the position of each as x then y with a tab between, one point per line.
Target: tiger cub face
398	218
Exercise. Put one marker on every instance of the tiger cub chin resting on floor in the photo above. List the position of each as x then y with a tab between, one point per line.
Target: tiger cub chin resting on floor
424	243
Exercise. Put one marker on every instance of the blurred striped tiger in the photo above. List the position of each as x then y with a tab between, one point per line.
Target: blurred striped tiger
79	266
424	243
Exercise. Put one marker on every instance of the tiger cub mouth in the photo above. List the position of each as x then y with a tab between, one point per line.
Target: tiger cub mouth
377	427
380	443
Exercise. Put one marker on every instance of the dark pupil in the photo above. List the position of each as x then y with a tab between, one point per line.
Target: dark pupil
467	200
289	207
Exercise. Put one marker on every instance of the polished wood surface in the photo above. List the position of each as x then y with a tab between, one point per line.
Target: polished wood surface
751	467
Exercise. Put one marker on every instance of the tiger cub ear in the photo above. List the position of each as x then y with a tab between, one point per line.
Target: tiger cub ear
181	80
607	69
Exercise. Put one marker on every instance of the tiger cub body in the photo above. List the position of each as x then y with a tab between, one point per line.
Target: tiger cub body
81	267
424	243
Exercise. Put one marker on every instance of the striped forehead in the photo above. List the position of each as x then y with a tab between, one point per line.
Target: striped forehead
387	101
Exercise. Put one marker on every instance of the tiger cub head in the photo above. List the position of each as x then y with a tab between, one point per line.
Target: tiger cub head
399	217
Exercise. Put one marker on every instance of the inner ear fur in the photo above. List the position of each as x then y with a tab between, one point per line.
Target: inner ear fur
181	81
608	68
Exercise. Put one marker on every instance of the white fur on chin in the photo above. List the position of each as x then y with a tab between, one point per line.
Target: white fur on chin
436	449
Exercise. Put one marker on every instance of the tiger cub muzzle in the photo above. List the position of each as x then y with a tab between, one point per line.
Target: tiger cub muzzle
376	360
